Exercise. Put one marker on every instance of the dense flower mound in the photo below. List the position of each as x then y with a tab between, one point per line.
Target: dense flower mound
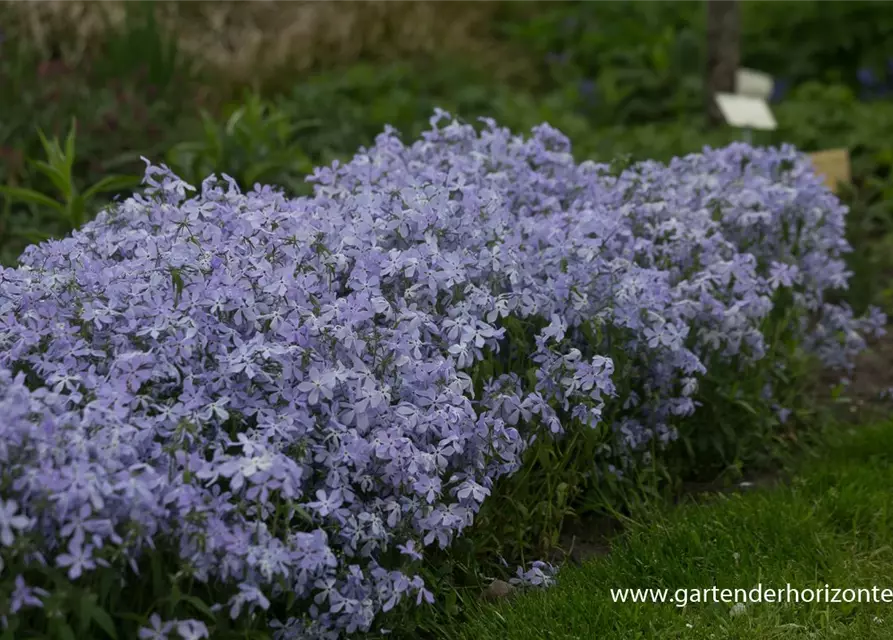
285	390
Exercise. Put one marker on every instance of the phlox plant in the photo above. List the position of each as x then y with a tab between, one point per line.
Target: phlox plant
242	415
761	220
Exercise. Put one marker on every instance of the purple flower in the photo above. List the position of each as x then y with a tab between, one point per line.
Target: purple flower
318	385
207	366
10	522
410	550
157	630
326	503
25	596
866	77
192	630
558	58
780	88
540	574
79	557
782	275
248	595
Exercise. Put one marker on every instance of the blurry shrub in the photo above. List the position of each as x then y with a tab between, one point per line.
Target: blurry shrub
138	44
44	216
630	63
352	105
260	44
624	63
829	42
73	206
128	103
257	142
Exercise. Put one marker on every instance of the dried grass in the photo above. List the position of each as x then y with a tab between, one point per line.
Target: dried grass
248	41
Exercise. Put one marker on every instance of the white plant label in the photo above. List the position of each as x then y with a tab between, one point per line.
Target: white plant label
745	112
755	84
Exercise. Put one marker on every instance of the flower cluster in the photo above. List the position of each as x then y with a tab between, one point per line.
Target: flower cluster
291	392
541	574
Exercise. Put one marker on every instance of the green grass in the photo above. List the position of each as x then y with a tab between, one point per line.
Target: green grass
831	524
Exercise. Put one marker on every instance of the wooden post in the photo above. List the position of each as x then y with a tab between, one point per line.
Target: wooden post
723	52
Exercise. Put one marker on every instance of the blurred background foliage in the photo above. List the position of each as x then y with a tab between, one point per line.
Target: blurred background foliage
264	91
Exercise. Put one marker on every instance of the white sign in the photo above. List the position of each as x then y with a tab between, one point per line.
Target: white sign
745	112
753	83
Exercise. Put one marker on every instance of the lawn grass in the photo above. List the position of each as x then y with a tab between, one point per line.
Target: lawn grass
831	524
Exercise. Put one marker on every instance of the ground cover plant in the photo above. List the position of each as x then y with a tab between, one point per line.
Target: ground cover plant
602	266
828	523
250	415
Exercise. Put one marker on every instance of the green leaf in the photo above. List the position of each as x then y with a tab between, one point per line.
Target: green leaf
744	405
33	197
177	282
451	604
64	632
76	208
212	134
61	181
84	616
157	575
561	494
130	157
132	617
31	235
521	509
102	619
304	125
303	514
234	121
111	184
69	144
187	147
255	172
199	605
10	632
51	149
